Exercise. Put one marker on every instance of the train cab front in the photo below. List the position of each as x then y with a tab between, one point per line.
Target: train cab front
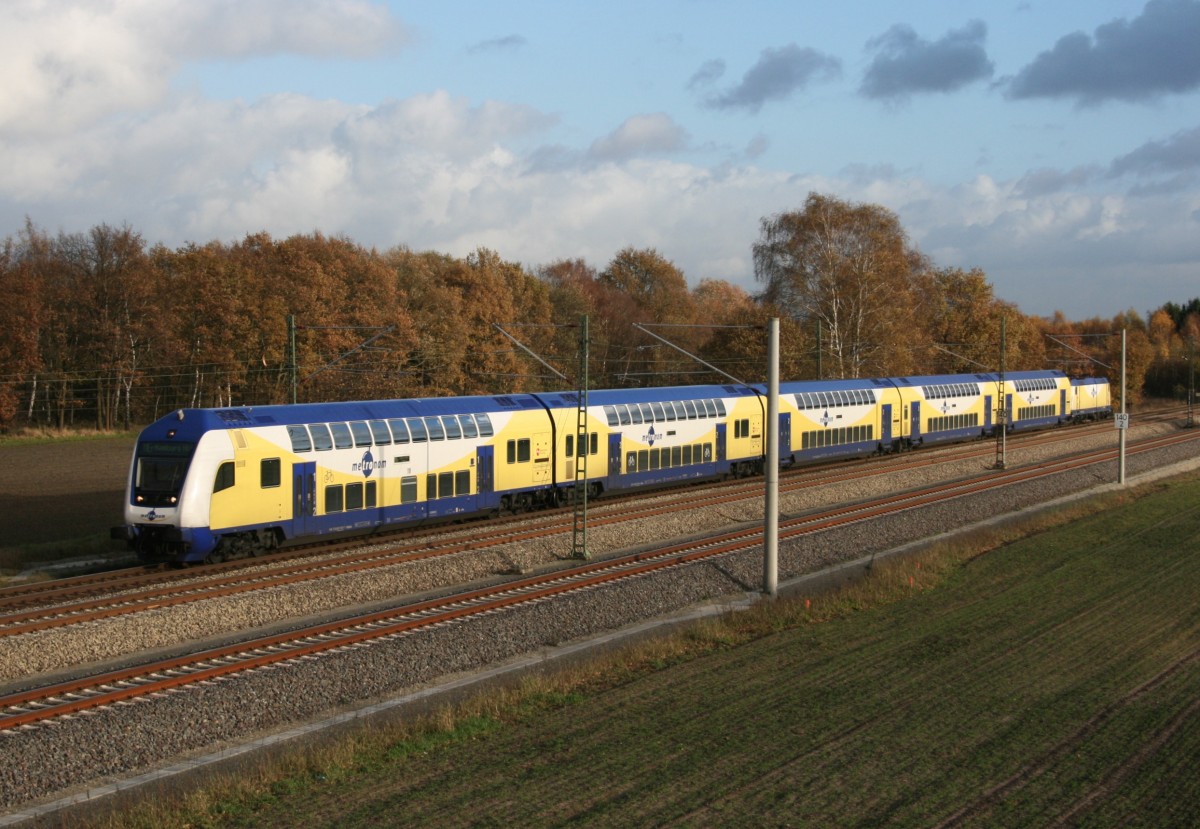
153	509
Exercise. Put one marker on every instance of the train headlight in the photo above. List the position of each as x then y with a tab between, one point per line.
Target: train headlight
174	499
139	499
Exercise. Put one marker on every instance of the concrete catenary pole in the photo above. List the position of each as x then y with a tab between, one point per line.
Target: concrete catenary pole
771	435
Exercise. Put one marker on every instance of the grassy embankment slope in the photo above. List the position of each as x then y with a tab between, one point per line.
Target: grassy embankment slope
1056	677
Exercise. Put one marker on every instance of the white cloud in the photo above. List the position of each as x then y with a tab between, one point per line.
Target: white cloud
65	64
640	135
101	139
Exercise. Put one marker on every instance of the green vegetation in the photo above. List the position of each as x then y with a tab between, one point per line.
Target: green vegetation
1056	676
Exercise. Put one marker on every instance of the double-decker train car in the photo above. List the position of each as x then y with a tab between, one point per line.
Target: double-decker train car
209	484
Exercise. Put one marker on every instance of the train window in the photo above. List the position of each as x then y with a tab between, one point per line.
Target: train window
720	407
687	454
453	430
372	500
269	473
408	489
224	477
595	447
321	438
664	458
669	410
570	453
354	496
635	413
399	430
631	462
660	416
676	456
468	426
623	414
333	498
445	485
690	407
711	407
510	452
611	413
462	482
379	431
341	435
361	432
434	426
485	425
523	450
680	411
301	442
643	459
647	413
708	453
416	428
431	490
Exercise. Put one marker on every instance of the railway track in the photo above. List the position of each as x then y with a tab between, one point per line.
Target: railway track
37	706
90	600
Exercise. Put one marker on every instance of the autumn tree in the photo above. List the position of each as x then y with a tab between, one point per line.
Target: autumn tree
847	268
962	317
455	304
21	315
659	295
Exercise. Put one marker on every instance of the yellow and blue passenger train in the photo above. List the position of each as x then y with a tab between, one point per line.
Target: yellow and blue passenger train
211	484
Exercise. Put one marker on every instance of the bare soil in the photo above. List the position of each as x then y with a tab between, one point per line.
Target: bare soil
61	491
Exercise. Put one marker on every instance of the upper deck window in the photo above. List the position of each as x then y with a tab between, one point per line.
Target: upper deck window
301	442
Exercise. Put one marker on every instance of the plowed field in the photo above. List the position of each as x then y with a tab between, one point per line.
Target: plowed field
60	491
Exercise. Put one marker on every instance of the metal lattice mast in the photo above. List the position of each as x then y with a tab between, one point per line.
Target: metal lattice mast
1002	403
582	449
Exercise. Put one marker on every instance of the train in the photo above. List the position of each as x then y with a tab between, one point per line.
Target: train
206	485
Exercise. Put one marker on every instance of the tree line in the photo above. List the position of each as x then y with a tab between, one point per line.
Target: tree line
100	330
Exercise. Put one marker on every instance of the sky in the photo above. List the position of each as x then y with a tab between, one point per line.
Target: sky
1053	144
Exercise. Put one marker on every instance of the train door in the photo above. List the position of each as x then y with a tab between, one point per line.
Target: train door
885	426
304	497
485	480
1008	412
1062	404
987	413
614	457
542	445
721	441
914	428
785	434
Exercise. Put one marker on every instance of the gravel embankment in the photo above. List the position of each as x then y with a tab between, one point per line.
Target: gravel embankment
114	742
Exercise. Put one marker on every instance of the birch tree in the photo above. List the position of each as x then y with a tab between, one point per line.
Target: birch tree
847	268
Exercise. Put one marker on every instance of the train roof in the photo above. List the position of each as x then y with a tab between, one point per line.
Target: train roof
983	377
240	417
602	397
801	386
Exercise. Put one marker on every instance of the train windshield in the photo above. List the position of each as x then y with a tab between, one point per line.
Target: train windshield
158	476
